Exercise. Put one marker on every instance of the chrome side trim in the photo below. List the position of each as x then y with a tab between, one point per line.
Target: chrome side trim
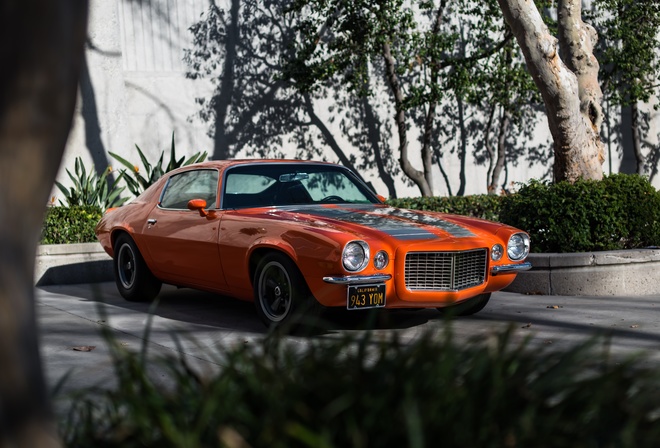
358	279
508	268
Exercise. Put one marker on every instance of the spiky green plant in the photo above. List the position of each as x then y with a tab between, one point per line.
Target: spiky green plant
91	189
137	183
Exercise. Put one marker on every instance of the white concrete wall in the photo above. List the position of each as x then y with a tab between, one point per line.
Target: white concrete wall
138	94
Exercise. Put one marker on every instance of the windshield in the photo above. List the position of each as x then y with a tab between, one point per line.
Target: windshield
280	184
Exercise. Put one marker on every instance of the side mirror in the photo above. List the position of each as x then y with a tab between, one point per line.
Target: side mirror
199	205
382	198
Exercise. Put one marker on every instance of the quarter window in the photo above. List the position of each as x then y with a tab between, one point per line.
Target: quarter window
197	184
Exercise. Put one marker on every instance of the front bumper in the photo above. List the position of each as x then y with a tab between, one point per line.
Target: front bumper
358	279
509	268
381	278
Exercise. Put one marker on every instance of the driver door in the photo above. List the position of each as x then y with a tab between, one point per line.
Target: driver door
183	244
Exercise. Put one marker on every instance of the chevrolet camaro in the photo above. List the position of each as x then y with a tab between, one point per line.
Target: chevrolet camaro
296	236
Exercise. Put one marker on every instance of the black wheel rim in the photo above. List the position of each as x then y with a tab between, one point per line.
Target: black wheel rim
274	291
126	266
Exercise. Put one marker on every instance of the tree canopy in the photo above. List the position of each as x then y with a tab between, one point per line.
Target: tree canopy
424	83
630	63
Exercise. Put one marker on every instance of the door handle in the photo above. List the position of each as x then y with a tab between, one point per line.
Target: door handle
151	221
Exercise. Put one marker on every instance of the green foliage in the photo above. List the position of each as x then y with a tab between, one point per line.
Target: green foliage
74	224
628	48
137	183
433	57
620	212
479	206
362	391
340	38
91	189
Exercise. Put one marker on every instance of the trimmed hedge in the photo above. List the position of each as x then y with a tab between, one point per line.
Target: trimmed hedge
482	206
65	225
620	212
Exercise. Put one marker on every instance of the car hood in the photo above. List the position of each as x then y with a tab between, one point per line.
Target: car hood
382	221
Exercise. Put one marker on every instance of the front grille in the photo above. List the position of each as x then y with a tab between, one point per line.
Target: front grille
445	271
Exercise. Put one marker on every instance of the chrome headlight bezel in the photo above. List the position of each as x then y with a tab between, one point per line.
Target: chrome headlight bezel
355	256
517	248
381	260
497	252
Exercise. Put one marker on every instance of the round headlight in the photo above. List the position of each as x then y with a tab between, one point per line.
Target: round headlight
381	259
355	256
496	252
518	247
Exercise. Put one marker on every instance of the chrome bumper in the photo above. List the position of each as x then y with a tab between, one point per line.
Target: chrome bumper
381	278
358	279
509	268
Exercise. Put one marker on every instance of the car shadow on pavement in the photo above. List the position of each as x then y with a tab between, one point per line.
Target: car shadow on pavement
188	307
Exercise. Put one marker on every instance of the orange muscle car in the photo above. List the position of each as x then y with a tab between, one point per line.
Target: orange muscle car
297	236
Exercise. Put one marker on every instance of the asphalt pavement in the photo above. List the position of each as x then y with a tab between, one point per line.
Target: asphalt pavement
199	326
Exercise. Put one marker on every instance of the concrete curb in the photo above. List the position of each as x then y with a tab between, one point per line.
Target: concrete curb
72	263
634	272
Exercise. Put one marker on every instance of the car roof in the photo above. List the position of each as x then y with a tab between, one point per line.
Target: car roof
224	164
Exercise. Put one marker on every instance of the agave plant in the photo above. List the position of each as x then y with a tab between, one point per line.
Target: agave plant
91	189
137	183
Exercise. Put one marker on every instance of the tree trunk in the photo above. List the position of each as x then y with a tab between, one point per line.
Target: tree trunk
327	135
636	138
462	148
330	139
222	101
41	50
501	153
415	175
374	138
489	147
569	88
427	150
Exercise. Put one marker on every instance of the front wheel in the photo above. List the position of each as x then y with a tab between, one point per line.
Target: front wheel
134	280
468	307
281	295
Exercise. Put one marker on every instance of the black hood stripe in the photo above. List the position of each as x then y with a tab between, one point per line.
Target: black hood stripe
406	227
410	234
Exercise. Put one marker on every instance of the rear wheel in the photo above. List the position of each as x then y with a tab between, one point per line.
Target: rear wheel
468	307
281	295
134	280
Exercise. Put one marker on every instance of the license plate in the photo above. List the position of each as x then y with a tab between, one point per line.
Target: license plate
366	296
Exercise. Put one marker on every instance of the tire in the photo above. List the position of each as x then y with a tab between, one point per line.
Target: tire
134	280
468	307
281	296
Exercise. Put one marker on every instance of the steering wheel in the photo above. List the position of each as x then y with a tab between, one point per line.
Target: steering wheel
332	198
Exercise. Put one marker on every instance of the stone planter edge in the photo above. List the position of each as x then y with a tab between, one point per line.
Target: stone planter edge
632	272
72	263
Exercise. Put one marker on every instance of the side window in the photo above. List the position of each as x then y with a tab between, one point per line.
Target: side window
247	183
247	190
198	184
